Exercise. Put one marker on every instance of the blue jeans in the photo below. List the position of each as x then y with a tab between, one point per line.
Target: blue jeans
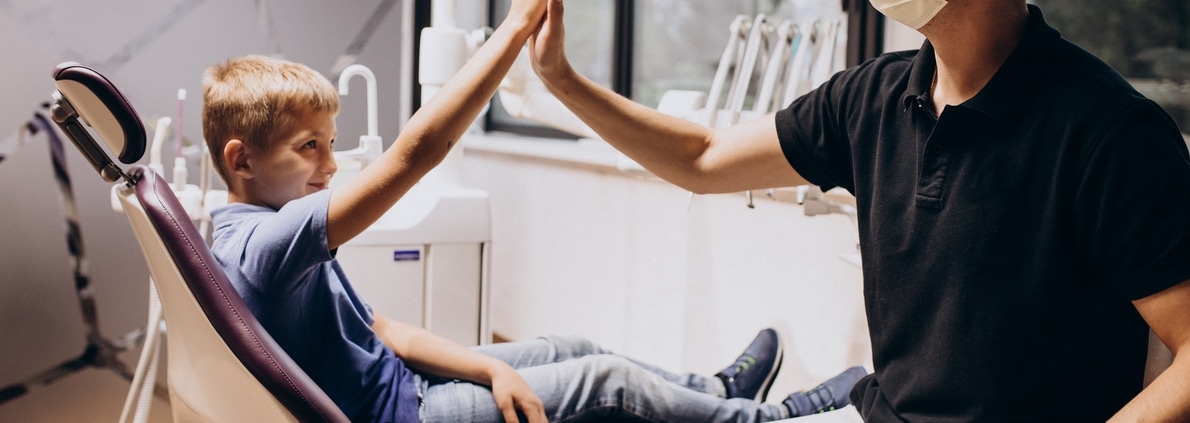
577	380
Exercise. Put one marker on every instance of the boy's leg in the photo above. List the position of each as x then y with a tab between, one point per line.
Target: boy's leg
832	394
554	349
599	386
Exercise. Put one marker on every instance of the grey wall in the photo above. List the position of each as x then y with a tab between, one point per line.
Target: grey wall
149	49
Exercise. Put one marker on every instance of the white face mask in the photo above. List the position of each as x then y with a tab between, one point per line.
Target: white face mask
913	13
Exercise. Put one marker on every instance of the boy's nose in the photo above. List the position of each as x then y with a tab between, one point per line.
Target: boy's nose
329	165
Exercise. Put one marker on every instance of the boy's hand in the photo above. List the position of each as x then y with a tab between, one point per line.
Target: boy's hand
526	13
547	46
512	394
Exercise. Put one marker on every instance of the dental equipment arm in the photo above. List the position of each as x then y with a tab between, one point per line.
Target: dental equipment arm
776	68
742	157
1167	399
738	31
432	131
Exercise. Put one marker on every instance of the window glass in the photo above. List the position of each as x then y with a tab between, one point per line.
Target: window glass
590	47
1148	42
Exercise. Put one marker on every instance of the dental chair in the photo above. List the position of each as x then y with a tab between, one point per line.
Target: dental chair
223	366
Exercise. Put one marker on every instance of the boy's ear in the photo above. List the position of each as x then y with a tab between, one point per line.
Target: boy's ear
235	155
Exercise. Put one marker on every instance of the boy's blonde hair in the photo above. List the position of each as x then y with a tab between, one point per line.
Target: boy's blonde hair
254	98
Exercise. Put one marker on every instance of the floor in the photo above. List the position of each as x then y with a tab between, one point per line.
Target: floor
98	396
91	395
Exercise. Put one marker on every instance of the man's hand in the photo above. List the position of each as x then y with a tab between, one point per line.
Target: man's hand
547	46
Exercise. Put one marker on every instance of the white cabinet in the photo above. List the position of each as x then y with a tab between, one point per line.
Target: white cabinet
425	262
393	287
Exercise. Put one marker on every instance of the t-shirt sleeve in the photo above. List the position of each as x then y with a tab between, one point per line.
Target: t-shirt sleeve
812	135
292	241
1134	203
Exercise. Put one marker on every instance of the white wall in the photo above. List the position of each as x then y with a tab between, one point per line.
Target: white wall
589	250
899	37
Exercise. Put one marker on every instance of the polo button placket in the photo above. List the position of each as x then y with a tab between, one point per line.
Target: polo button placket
932	174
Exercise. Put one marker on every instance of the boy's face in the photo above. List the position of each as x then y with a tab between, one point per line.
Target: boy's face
300	163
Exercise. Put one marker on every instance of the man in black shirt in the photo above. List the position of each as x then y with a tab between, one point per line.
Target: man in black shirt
1024	213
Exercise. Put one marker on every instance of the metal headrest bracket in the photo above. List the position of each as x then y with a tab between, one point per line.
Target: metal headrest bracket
86	97
63	113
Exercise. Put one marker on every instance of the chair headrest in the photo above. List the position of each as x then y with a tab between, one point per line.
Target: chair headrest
86	97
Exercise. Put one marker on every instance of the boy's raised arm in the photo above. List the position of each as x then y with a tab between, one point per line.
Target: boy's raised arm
433	130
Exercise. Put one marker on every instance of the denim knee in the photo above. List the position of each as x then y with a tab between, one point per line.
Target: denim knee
569	346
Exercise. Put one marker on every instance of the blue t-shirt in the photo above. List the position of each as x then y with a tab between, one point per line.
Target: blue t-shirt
279	262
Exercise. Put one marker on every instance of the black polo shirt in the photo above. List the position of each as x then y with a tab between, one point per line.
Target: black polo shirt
1002	241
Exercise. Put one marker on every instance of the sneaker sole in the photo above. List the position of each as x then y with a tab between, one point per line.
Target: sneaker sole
763	394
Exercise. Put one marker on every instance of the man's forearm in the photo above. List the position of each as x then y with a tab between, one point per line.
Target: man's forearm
667	146
1167	399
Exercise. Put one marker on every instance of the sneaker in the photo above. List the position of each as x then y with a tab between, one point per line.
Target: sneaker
832	394
754	371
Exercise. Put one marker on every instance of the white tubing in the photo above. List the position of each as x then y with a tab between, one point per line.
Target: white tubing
145	402
146	367
159	135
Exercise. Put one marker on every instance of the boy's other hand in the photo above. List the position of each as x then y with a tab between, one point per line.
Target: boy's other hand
547	46
512	394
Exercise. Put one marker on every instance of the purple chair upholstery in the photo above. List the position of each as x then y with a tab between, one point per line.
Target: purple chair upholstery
225	309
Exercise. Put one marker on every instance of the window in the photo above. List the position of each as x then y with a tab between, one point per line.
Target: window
643	48
1148	42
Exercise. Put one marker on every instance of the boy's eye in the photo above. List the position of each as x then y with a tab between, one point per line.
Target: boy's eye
311	144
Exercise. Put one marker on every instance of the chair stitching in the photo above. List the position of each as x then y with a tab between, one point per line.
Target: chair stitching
223	295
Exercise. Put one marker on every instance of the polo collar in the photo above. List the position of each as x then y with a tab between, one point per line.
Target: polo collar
1014	83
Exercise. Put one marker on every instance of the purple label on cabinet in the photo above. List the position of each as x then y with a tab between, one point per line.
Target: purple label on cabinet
406	255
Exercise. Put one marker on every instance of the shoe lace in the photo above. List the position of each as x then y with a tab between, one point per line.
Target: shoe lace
741	364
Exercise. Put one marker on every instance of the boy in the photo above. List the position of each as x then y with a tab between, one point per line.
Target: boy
271	124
